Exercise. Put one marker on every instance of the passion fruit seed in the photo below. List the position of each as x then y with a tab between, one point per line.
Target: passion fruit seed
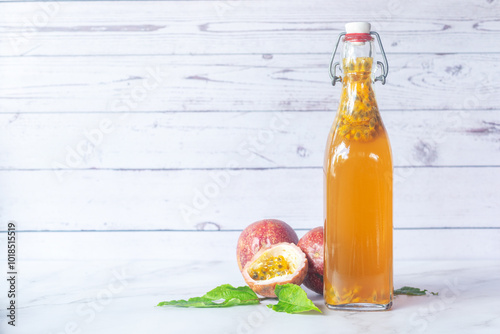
359	118
270	267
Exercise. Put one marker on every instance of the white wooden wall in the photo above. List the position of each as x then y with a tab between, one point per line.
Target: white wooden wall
187	116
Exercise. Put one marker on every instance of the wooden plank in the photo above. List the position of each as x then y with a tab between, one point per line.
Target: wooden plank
194	27
231	199
249	140
216	247
238	82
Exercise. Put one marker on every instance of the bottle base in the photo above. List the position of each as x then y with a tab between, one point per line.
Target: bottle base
363	307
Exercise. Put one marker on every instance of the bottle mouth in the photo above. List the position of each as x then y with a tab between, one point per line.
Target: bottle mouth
358	37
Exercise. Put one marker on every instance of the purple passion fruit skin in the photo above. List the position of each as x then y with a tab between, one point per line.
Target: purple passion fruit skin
312	245
262	234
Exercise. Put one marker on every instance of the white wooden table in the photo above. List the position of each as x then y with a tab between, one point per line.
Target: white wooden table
110	282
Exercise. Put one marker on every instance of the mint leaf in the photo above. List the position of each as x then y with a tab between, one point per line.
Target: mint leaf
222	296
227	291
202	302
407	290
292	299
191	302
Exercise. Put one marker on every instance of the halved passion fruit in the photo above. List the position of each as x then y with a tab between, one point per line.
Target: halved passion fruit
278	264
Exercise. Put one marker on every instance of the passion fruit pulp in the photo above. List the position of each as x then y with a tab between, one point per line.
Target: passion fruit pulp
262	234
270	267
278	264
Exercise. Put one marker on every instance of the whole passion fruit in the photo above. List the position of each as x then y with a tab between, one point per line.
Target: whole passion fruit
278	264
262	234
312	245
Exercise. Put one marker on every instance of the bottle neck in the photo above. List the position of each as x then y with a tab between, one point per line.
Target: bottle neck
357	48
357	91
357	71
357	62
358	117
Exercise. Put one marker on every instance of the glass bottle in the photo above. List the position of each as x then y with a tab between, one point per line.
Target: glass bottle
358	185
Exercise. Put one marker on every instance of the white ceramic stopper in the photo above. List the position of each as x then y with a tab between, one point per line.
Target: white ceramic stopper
358	28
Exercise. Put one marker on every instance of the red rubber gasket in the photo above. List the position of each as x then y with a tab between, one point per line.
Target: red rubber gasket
358	38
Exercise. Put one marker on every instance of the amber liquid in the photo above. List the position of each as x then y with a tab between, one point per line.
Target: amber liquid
358	199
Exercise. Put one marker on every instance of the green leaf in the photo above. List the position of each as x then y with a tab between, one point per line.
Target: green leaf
292	299
407	290
202	302
222	296
227	291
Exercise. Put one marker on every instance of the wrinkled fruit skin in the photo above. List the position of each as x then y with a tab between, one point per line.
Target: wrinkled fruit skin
262	234
266	288
312	245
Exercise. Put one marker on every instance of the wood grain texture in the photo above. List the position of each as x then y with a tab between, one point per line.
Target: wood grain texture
196	250
184	94
235	27
246	140
238	83
222	199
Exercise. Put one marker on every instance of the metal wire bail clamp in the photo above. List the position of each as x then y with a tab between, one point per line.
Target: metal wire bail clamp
383	66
